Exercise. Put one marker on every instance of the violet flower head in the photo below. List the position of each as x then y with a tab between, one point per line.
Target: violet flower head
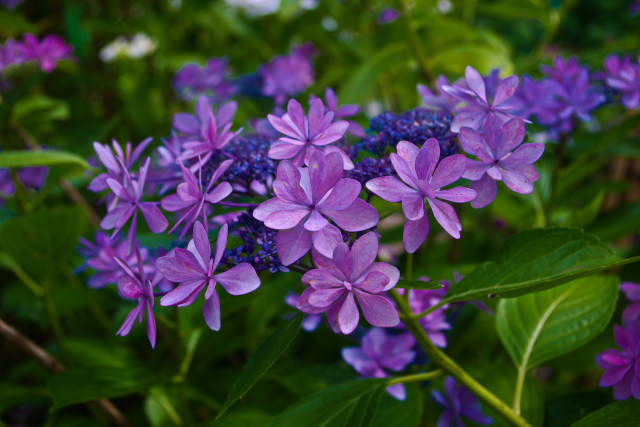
129	194
343	112
310	322
434	323
632	291
10	54
286	76
352	275
420	179
137	286
210	80
306	199
388	15
193	200
479	103
380	353
305	134
194	269
440	101
622	367
46	52
623	75
536	98
563	70
194	125
501	157
459	402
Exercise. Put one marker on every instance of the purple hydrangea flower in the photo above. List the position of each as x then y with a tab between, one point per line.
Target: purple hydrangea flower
388	15
306	134
305	198
129	194
10	54
311	321
536	98
622	368
421	179
459	402
137	287
46	52
192	81
632	292
501	157
193	199
562	70
352	275
623	75
194	269
380	353
286	76
442	100
343	112
193	126
480	104
435	322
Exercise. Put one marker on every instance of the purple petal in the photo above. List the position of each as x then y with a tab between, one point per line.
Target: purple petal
296	114
413	206
457	194
285	127
614	375
128	323
526	154
358	360
201	241
389	188
186	123
316	115
415	233
211	311
516	181
333	133
285	220
505	90
184	294
357	217
408	151
174	203
487	189
323	298
509	136
342	196
343	260
427	159
293	244
239	280
475	82
449	170
446	217
270	206
315	221
151	326
397	391
323	279
326	240
347	164
363	253
324	173
388	270
282	150
155	220
378	310
475	170
471	142
405	171
472	119
373	282
348	316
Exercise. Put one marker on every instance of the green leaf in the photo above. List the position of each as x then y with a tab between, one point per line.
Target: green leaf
86	384
337	404
538	327
535	260
393	412
18	159
417	284
260	361
584	216
618	414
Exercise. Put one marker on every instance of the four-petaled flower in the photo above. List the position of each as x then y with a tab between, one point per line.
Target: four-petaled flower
194	269
622	368
417	168
351	275
501	157
458	403
305	134
381	352
305	198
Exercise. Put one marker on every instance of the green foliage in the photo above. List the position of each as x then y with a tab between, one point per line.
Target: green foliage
18	159
619	414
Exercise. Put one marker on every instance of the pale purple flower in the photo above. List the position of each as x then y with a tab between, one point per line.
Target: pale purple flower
194	125
479	104
311	321
137	286
193	199
388	15
352	275
632	291
459	402
501	157
306	134
422	179
380	353
10	54
536	98
562	70
343	112
286	76
622	368
210	80
194	269
623	75
440	101
129	194
434	323
46	52
306	199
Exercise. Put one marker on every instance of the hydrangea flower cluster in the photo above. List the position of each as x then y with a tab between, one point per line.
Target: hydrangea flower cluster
46	52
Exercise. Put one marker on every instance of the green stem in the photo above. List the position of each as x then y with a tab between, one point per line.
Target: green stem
449	366
192	345
555	174
414	42
427	311
425	376
517	394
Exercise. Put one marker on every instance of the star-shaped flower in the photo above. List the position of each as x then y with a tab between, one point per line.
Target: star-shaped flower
622	368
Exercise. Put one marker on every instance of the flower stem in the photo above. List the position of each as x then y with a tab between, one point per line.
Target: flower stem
517	394
449	366
424	376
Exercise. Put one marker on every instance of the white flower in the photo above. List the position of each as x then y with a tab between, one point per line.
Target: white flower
137	47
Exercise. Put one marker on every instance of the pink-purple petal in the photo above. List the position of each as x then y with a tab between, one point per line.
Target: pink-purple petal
378	310
239	280
293	244
357	217
389	188
211	312
415	233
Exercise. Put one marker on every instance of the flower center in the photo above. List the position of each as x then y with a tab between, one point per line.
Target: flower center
348	285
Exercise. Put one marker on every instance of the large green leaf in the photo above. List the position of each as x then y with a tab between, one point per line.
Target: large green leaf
418	284
354	403
18	159
535	260
541	326
618	414
260	361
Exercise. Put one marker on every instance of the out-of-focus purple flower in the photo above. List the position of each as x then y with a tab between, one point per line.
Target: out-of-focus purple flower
562	70
100	257
623	75
634	8
622	368
632	292
137	286
501	157
46	52
440	101
286	76
128	201
194	269
343	112
191	81
421	179
33	176
311	321
536	98
10	54
479	103
305	134
193	199
380	353
352	275
459	402
388	15
434	323
10	4
193	125
305	198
